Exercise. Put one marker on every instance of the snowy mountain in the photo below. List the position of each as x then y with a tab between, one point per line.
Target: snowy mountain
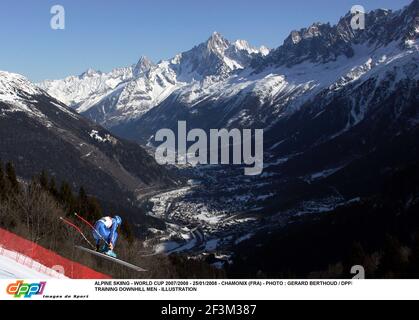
322	43
314	59
41	133
217	58
126	94
80	92
252	87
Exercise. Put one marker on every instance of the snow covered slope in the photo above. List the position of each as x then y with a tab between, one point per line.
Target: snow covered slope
17	266
82	91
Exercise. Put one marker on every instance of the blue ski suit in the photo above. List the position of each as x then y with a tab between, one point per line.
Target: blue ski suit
107	229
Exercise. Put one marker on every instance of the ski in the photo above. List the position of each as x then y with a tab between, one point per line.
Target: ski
116	260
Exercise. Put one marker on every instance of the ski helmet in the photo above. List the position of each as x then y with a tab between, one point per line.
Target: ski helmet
118	220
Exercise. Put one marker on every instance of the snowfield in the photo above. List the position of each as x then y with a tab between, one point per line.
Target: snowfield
17	92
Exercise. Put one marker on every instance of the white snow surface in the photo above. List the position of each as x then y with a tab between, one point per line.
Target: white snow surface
85	90
17	92
16	266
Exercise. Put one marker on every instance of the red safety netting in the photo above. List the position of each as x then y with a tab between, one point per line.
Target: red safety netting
47	258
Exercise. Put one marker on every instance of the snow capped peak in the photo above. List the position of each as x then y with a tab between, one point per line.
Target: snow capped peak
212	69
216	37
143	66
243	45
83	91
322	42
19	95
208	62
382	11
216	57
12	84
90	73
10	75
217	44
264	51
176	59
316	30
295	37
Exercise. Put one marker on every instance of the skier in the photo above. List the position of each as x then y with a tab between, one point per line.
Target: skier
106	230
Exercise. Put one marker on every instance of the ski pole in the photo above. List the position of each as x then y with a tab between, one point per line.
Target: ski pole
91	226
78	230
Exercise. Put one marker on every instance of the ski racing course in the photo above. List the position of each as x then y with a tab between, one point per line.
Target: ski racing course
17	266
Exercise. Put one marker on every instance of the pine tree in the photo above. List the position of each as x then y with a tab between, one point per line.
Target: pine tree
414	258
33	185
2	182
82	195
357	255
11	178
43	180
67	198
83	203
391	262
53	188
94	209
127	232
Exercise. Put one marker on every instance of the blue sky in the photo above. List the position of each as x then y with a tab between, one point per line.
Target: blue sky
105	34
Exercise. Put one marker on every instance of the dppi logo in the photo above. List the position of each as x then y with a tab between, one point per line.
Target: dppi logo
26	290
